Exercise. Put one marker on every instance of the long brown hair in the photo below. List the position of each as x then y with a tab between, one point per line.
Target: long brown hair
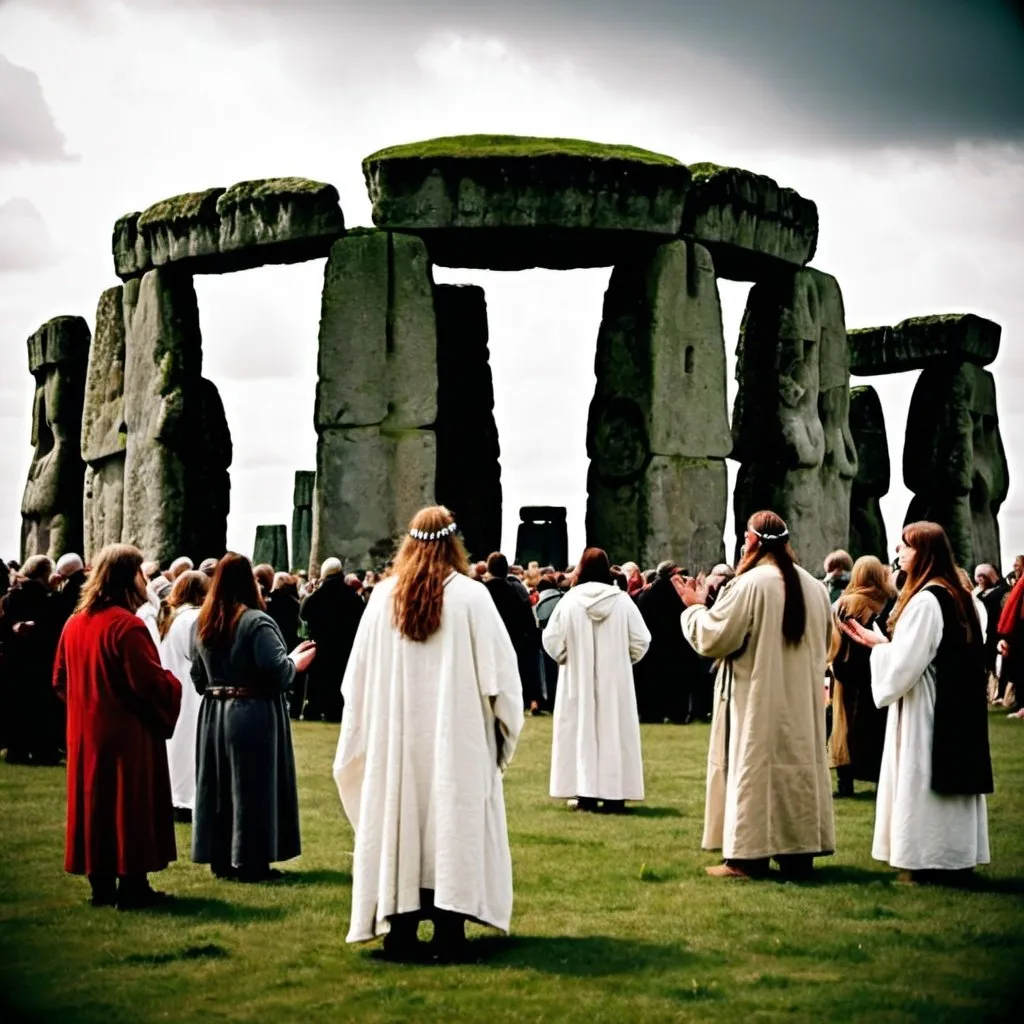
593	567
421	567
869	590
232	593
934	563
189	590
773	541
114	581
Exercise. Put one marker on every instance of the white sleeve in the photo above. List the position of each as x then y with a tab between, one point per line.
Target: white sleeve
553	636
639	634
720	630
896	667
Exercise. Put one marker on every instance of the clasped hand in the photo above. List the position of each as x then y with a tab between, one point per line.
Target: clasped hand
691	591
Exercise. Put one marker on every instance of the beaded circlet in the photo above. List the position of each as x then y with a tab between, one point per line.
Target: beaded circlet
447	531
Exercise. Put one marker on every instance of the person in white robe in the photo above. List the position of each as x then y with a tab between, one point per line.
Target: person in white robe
769	792
927	819
176	651
430	724
595	634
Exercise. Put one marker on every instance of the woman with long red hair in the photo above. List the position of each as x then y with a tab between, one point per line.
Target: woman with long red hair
930	817
246	813
433	710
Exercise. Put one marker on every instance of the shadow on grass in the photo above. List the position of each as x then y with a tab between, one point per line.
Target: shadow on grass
846	874
318	876
209	951
591	956
645	811
215	909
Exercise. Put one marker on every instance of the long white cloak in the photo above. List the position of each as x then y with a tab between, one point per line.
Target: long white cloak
917	829
176	656
595	634
417	762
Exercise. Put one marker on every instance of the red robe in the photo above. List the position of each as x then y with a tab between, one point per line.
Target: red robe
122	706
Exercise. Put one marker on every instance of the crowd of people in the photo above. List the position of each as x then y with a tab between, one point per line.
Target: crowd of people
169	693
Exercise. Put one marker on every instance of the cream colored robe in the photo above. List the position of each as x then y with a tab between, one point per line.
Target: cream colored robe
417	762
176	656
595	634
771	792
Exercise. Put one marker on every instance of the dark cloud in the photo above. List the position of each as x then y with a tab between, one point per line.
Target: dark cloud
865	72
24	241
27	128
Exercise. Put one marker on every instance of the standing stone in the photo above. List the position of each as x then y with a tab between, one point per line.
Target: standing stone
871	484
208	482
162	405
271	547
302	518
791	419
953	459
376	399
468	471
51	509
542	537
104	433
658	431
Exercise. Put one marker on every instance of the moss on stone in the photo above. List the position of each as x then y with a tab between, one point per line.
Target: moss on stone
268	188
361	232
932	320
705	171
126	219
469	147
189	206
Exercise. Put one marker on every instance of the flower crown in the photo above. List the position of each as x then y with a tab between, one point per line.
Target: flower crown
436	535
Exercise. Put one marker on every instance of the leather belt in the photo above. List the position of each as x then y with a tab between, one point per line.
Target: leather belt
234	693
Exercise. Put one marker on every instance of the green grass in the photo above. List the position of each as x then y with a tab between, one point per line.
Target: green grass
614	919
476	146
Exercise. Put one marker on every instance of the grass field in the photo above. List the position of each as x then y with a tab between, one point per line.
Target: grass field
614	919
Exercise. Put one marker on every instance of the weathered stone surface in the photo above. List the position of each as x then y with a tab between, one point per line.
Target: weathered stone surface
271	220
542	536
468	471
103	429
659	414
675	509
104	503
791	427
510	202
51	506
378	344
924	341
871	484
953	459
750	224
370	483
208	454
163	357
302	518
271	547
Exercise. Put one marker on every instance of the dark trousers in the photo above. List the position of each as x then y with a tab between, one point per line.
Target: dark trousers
791	865
447	924
844	776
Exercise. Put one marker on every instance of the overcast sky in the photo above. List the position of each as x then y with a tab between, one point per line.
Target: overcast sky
904	121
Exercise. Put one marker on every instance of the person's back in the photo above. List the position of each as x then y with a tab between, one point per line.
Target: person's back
595	633
669	669
433	712
332	613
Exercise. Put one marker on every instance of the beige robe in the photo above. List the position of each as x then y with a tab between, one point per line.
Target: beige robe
771	792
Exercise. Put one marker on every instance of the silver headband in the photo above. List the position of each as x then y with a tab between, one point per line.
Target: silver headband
436	535
771	536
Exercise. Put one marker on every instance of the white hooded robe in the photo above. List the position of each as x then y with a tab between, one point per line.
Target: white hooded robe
176	656
595	634
417	766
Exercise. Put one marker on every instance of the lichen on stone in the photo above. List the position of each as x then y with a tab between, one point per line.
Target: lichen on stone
189	206
517	146
271	188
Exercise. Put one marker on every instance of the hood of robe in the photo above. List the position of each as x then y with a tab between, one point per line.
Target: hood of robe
598	599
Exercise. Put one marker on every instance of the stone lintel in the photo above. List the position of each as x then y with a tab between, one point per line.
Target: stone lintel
64	339
751	225
922	341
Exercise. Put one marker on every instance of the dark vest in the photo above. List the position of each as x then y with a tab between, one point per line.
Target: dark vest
961	763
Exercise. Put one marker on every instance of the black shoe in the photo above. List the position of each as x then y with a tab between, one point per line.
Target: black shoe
449	944
223	871
257	875
614	806
104	896
182	815
142	898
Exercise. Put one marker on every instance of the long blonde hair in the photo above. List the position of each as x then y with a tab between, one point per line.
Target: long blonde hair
421	567
869	590
114	581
